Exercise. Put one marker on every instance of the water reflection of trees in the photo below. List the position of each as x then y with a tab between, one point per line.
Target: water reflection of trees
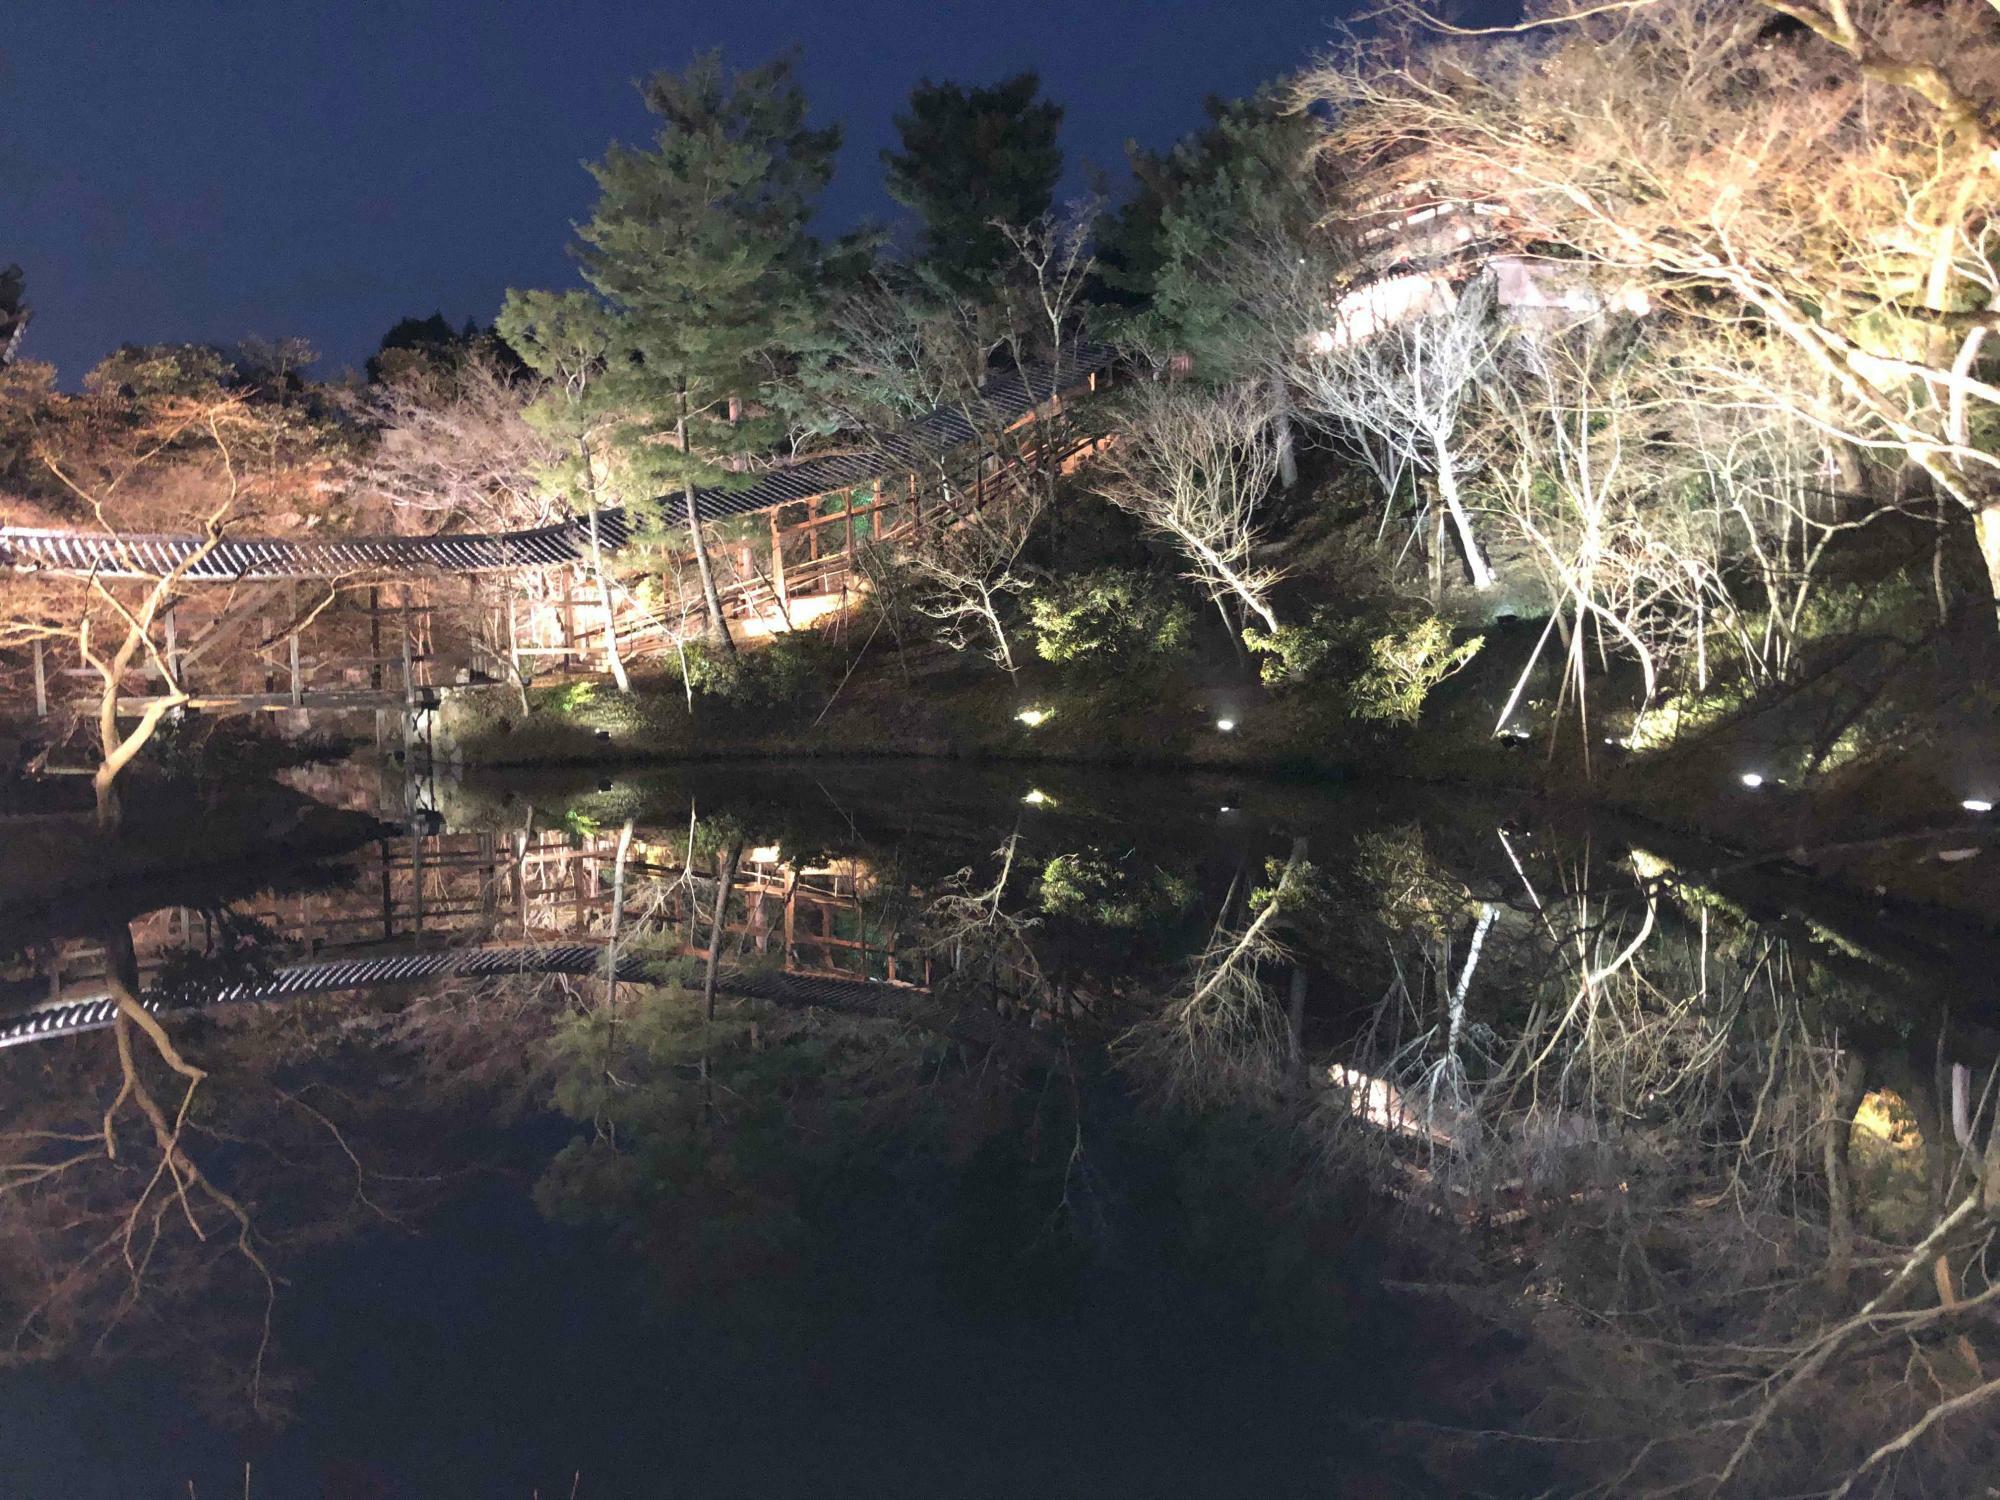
1623	1114
1614	1116
157	1184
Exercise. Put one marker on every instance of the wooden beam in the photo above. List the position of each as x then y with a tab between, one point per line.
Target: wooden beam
41	684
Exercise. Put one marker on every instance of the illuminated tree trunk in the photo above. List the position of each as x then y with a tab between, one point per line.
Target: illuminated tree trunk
1447	483
1986	525
612	660
718	623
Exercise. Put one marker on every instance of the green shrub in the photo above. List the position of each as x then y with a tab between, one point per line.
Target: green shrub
1403	667
1389	675
1298	653
1110	616
769	676
1091	886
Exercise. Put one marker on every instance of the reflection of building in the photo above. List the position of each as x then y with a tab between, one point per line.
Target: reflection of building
549	886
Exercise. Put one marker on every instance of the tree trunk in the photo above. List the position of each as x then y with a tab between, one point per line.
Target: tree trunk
612	660
1287	443
715	931
1986	526
1447	483
104	783
718	623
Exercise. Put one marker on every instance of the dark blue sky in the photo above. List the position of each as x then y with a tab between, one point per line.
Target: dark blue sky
182	171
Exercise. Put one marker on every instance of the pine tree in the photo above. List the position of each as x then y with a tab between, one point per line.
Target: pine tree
972	157
699	247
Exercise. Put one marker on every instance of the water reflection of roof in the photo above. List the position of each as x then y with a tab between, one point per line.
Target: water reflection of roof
95	1013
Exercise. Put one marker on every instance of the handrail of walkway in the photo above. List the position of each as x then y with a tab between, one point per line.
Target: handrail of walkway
1005	397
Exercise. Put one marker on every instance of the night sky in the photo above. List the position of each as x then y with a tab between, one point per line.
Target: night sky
204	172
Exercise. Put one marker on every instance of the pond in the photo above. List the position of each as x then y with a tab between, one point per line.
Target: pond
918	1128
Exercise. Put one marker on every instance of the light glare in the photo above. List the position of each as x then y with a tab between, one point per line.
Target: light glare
1977	805
1225	725
1752	780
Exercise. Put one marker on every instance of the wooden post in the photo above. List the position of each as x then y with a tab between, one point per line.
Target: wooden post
517	877
791	913
778	565
388	895
568	622
916	505
513	637
41	684
291	644
409	683
375	637
478	621
416	879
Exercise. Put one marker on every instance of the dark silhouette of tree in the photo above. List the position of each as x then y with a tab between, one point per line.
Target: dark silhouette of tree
972	159
413	341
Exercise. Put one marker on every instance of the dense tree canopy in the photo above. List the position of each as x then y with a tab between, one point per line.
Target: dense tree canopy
700	248
971	159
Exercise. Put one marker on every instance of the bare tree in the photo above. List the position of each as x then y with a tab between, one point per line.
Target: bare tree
1818	170
967	568
1195	467
455	449
181	453
1398	386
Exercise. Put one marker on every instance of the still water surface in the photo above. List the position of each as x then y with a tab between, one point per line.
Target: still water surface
899	1177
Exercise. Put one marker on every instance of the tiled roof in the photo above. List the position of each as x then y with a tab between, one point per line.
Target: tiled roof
1005	396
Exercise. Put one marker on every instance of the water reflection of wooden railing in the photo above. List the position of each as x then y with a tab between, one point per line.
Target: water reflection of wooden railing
544	886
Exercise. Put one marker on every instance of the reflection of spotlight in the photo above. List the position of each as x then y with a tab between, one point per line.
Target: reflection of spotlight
1225	725
1035	717
1038	798
1752	780
1976	805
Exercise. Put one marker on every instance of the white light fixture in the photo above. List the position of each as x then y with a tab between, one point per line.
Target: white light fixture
1225	725
764	854
1751	779
1976	805
1225	808
1038	798
1034	718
